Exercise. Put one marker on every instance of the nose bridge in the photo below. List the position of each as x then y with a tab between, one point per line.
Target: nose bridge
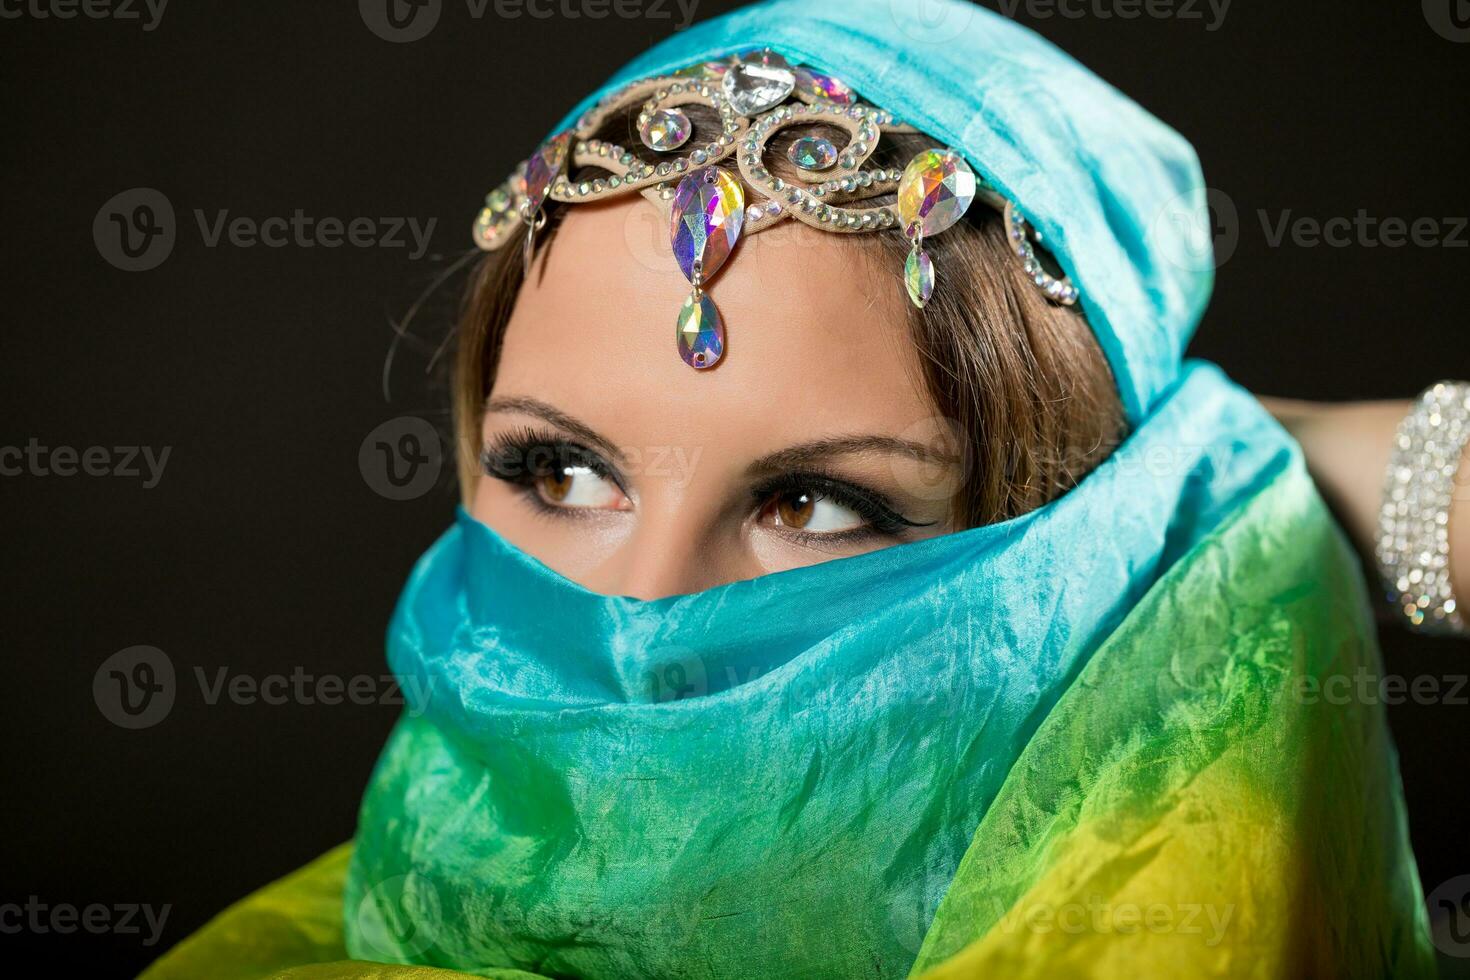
666	555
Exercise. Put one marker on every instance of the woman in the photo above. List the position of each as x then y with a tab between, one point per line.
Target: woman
1068	728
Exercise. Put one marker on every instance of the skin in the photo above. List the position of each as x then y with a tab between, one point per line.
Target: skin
589	357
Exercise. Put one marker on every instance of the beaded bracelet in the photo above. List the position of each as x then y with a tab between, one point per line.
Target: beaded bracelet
1413	527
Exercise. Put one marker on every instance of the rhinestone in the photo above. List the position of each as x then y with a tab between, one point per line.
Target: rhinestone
665	130
544	166
486	223
918	277
700	334
935	191
755	86
817	87
708	69
812	153
706	218
498	200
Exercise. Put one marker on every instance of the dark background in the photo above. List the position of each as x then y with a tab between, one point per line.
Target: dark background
264	548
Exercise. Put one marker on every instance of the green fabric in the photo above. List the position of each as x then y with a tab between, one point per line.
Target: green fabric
1193	773
1198	772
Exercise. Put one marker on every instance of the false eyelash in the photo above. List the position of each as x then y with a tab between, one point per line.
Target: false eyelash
874	508
523	455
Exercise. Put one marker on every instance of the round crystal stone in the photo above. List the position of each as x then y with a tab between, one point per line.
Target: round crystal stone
935	191
665	130
812	153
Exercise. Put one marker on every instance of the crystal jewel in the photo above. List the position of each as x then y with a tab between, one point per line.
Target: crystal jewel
498	200
701	335
935	191
812	153
705	221
817	87
918	276
544	167
704	69
760	80
487	228
666	129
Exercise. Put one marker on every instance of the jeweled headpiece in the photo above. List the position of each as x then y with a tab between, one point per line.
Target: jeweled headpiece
755	93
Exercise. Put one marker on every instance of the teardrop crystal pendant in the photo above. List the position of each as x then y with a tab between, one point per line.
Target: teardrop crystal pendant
813	86
918	276
758	81
701	335
544	166
935	191
665	130
705	221
812	153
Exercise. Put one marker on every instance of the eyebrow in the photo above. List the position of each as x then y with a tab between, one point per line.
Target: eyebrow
555	416
780	461
807	454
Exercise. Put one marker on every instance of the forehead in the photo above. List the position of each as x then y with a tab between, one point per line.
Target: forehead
817	340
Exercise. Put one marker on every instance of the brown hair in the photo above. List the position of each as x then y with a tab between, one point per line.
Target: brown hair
1021	381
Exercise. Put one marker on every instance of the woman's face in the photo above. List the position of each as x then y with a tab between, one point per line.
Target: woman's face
621	467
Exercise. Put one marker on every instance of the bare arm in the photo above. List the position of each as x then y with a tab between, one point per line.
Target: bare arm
1348	447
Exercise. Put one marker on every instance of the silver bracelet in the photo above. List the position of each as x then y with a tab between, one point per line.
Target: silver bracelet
1413	527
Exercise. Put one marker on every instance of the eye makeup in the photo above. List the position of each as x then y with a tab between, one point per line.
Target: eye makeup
541	464
880	518
527	458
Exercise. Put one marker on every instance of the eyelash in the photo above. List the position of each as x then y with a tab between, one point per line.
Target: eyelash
879	516
512	458
523	456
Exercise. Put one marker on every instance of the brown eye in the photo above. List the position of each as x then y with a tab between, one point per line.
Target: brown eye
795	509
557	484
